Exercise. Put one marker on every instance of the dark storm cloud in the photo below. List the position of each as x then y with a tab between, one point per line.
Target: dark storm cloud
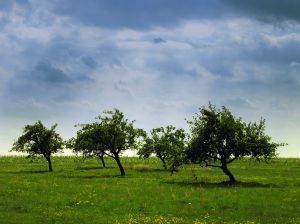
280	50
159	40
138	14
46	73
89	61
267	10
45	83
6	5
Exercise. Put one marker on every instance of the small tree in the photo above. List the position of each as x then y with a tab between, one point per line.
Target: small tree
218	139
88	142
167	144
118	135
111	135
38	140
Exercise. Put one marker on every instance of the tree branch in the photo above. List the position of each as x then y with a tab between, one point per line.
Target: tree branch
119	150
231	160
109	155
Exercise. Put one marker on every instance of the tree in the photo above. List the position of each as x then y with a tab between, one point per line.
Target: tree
88	141
218	138
111	135
167	144
38	140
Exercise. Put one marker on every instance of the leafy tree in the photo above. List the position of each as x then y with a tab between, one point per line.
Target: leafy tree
38	140
88	141
218	138
110	135
167	144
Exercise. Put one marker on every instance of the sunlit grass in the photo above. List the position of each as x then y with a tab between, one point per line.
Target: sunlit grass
81	191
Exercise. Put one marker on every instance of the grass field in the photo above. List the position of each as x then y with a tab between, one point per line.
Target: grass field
80	191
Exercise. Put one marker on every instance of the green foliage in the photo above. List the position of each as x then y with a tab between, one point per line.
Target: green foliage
166	143
111	134
218	138
38	140
118	134
88	141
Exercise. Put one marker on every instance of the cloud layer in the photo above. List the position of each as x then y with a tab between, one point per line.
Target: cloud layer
158	61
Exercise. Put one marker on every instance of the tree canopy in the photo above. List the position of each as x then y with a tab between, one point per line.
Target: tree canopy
111	134
218	138
166	143
89	141
39	140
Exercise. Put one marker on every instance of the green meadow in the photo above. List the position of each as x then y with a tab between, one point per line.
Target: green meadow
81	191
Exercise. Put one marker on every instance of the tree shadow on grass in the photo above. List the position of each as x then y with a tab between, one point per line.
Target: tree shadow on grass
149	170
92	176
28	171
224	184
93	168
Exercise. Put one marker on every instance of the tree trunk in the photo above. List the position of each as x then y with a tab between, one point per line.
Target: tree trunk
49	163
117	158
101	158
164	163
228	173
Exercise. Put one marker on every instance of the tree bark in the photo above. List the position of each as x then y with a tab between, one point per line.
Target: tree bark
228	173
117	158
101	158
164	163
49	163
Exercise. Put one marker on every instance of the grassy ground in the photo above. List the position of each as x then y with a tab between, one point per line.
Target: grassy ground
82	192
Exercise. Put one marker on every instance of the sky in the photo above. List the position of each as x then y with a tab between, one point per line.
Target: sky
158	61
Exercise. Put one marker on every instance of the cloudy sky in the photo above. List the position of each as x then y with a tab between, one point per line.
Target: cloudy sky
158	61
